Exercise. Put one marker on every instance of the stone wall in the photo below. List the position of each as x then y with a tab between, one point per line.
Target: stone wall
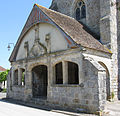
68	7
108	32
89	94
85	95
118	40
101	19
63	6
58	41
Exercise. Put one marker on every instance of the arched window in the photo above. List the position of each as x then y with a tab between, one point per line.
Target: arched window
16	77
59	73
80	10
73	76
23	77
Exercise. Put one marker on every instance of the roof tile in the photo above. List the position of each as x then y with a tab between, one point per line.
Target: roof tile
74	29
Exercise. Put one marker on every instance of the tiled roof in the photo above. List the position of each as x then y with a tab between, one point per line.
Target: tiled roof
2	69
74	29
77	32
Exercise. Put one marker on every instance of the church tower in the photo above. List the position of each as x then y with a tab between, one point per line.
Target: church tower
84	11
100	17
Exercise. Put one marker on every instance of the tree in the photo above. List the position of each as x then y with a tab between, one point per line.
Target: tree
3	76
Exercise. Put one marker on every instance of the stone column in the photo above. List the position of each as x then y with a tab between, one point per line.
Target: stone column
19	76
108	33
53	75
50	71
81	75
12	76
52	79
28	84
65	72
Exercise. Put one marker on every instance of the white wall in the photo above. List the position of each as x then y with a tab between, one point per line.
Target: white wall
57	39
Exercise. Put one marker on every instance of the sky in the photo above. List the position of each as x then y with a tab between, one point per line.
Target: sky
13	15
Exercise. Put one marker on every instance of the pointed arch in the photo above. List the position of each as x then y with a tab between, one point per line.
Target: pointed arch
80	10
107	80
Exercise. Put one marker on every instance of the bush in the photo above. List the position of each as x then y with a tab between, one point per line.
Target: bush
3	76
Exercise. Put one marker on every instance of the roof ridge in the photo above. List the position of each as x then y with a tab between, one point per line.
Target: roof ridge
75	30
54	12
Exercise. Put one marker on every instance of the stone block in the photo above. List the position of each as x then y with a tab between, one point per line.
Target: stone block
91	84
88	96
96	97
75	100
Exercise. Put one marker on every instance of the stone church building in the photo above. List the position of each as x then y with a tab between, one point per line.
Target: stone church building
68	55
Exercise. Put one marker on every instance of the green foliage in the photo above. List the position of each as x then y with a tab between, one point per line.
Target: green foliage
4	90
23	76
113	95
3	76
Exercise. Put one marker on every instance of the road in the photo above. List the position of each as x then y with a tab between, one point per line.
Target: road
8	109
13	109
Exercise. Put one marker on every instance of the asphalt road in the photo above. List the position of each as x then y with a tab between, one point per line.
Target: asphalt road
10	109
13	109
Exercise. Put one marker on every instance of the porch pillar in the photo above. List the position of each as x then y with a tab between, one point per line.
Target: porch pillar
81	75
12	76
19	76
65	72
49	71
53	75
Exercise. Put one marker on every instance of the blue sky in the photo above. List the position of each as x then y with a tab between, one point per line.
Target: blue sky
13	15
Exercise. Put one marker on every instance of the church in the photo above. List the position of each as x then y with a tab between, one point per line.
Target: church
68	55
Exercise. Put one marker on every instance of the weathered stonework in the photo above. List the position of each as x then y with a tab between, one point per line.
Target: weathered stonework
92	78
102	18
49	58
68	7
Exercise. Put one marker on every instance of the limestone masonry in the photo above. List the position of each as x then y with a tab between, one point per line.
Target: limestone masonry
68	55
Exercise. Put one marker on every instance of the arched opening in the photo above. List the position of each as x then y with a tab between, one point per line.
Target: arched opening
80	10
16	77
39	81
107	81
23	77
59	73
78	14
73	73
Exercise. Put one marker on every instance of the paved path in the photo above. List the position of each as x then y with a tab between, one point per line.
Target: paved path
8	109
2	95
113	109
12	109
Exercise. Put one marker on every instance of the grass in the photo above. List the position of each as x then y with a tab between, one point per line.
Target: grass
4	90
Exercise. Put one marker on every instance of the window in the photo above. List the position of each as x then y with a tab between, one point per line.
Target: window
59	73
71	71
80	11
23	77
73	76
16	77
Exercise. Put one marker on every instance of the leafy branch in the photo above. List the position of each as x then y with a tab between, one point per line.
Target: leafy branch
3	76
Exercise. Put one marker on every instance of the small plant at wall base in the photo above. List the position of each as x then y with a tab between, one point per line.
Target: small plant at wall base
112	96
4	90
